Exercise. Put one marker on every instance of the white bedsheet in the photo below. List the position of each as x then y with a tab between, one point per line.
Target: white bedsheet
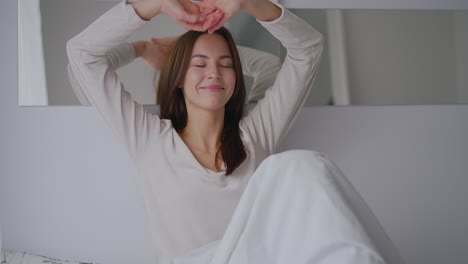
14	257
299	208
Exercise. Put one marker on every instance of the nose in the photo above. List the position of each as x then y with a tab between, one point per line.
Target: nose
213	72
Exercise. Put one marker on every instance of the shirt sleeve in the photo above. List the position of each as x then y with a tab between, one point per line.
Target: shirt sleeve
93	60
117	58
262	67
269	121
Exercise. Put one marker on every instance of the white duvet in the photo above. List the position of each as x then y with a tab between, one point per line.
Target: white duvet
299	208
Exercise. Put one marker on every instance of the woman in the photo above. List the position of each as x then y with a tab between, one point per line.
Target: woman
197	158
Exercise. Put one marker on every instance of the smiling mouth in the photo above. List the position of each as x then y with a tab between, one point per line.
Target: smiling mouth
213	88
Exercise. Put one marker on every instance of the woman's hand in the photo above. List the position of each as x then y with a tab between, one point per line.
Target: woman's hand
225	8
186	13
158	50
152	52
263	10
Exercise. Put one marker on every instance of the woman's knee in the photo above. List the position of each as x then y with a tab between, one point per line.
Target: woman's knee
298	154
306	164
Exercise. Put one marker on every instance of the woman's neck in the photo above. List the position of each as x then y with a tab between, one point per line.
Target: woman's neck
203	131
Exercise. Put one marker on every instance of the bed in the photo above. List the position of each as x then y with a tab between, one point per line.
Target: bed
15	257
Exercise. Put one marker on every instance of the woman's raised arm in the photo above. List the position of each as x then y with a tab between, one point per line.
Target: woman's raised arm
91	65
269	121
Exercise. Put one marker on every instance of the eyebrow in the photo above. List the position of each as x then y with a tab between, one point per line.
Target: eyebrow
206	57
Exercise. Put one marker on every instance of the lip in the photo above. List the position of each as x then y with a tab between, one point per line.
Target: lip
213	88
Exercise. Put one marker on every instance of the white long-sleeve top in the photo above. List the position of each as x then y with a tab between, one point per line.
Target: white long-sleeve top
188	205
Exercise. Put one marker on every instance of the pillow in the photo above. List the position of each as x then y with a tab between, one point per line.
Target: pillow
13	257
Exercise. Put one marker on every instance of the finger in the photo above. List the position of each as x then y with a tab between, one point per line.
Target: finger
164	41
187	17
208	23
212	20
191	11
191	7
191	26
206	3
182	14
216	27
208	10
218	22
158	42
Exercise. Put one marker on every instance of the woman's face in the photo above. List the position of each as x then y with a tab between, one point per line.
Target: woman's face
210	79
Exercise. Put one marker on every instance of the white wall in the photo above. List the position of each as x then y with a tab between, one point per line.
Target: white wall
403	57
66	189
406	57
461	42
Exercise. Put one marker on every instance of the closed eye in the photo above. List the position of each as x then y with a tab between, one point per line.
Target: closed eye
202	66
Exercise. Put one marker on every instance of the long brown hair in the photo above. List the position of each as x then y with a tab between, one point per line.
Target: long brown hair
172	102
